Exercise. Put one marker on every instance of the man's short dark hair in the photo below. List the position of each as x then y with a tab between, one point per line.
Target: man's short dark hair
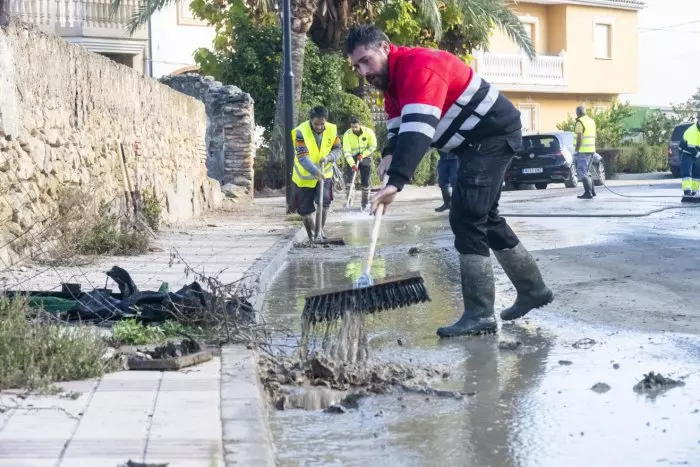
368	35
319	112
354	120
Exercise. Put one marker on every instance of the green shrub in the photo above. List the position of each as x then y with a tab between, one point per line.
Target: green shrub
380	131
611	157
347	105
151	209
642	158
340	109
610	123
133	332
108	236
268	173
426	173
36	351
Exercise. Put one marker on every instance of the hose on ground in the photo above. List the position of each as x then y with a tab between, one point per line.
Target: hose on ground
603	215
611	215
636	196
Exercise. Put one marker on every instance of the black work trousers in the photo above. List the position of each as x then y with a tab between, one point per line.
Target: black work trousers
474	217
365	169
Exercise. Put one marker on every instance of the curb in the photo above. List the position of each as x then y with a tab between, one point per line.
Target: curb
264	270
247	439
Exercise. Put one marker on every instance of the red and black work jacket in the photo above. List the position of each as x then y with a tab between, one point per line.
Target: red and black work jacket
434	99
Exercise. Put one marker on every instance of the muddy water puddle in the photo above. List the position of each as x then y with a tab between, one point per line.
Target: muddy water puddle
546	391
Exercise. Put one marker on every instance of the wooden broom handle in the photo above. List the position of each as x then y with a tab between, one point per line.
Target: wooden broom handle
375	235
375	230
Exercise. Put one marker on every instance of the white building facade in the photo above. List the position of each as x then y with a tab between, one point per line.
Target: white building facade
164	45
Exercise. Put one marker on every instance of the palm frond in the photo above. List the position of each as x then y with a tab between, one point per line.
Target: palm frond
145	10
430	11
482	15
508	22
263	6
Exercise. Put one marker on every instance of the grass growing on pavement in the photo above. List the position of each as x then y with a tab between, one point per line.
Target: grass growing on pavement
151	209
35	351
105	236
133	332
82	229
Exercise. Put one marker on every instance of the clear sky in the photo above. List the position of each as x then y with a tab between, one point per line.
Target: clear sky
669	52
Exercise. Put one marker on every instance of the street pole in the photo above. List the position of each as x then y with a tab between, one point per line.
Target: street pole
289	110
4	12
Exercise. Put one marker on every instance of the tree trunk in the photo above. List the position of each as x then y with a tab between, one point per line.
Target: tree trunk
302	17
343	22
276	154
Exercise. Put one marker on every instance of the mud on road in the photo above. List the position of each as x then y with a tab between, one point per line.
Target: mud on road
555	388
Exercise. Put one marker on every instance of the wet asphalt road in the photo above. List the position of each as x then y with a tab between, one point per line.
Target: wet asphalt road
629	284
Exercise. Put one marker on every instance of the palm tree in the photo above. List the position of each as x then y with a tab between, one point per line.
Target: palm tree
334	17
302	18
479	18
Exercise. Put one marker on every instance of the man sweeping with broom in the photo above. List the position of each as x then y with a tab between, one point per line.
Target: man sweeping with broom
317	145
433	98
359	144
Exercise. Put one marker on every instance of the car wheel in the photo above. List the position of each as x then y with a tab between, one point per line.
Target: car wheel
675	172
600	178
510	186
572	182
541	186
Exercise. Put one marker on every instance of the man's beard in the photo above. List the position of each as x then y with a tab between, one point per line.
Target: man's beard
380	80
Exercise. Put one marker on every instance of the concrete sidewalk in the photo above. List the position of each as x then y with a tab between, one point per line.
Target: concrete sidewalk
207	415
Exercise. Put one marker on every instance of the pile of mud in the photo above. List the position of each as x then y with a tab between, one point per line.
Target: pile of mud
321	382
336	375
654	383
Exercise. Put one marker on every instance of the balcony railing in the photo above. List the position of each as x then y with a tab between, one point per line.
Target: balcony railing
519	71
77	17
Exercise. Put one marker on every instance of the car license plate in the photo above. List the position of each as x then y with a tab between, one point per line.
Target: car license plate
536	170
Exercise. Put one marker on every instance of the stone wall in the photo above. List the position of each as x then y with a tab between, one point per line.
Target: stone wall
69	118
230	129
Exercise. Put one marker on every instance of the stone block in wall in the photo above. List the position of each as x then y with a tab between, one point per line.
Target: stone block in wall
230	141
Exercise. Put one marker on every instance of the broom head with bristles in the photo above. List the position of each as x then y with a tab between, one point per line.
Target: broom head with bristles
385	294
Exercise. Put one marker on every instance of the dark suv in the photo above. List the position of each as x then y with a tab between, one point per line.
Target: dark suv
674	154
549	158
